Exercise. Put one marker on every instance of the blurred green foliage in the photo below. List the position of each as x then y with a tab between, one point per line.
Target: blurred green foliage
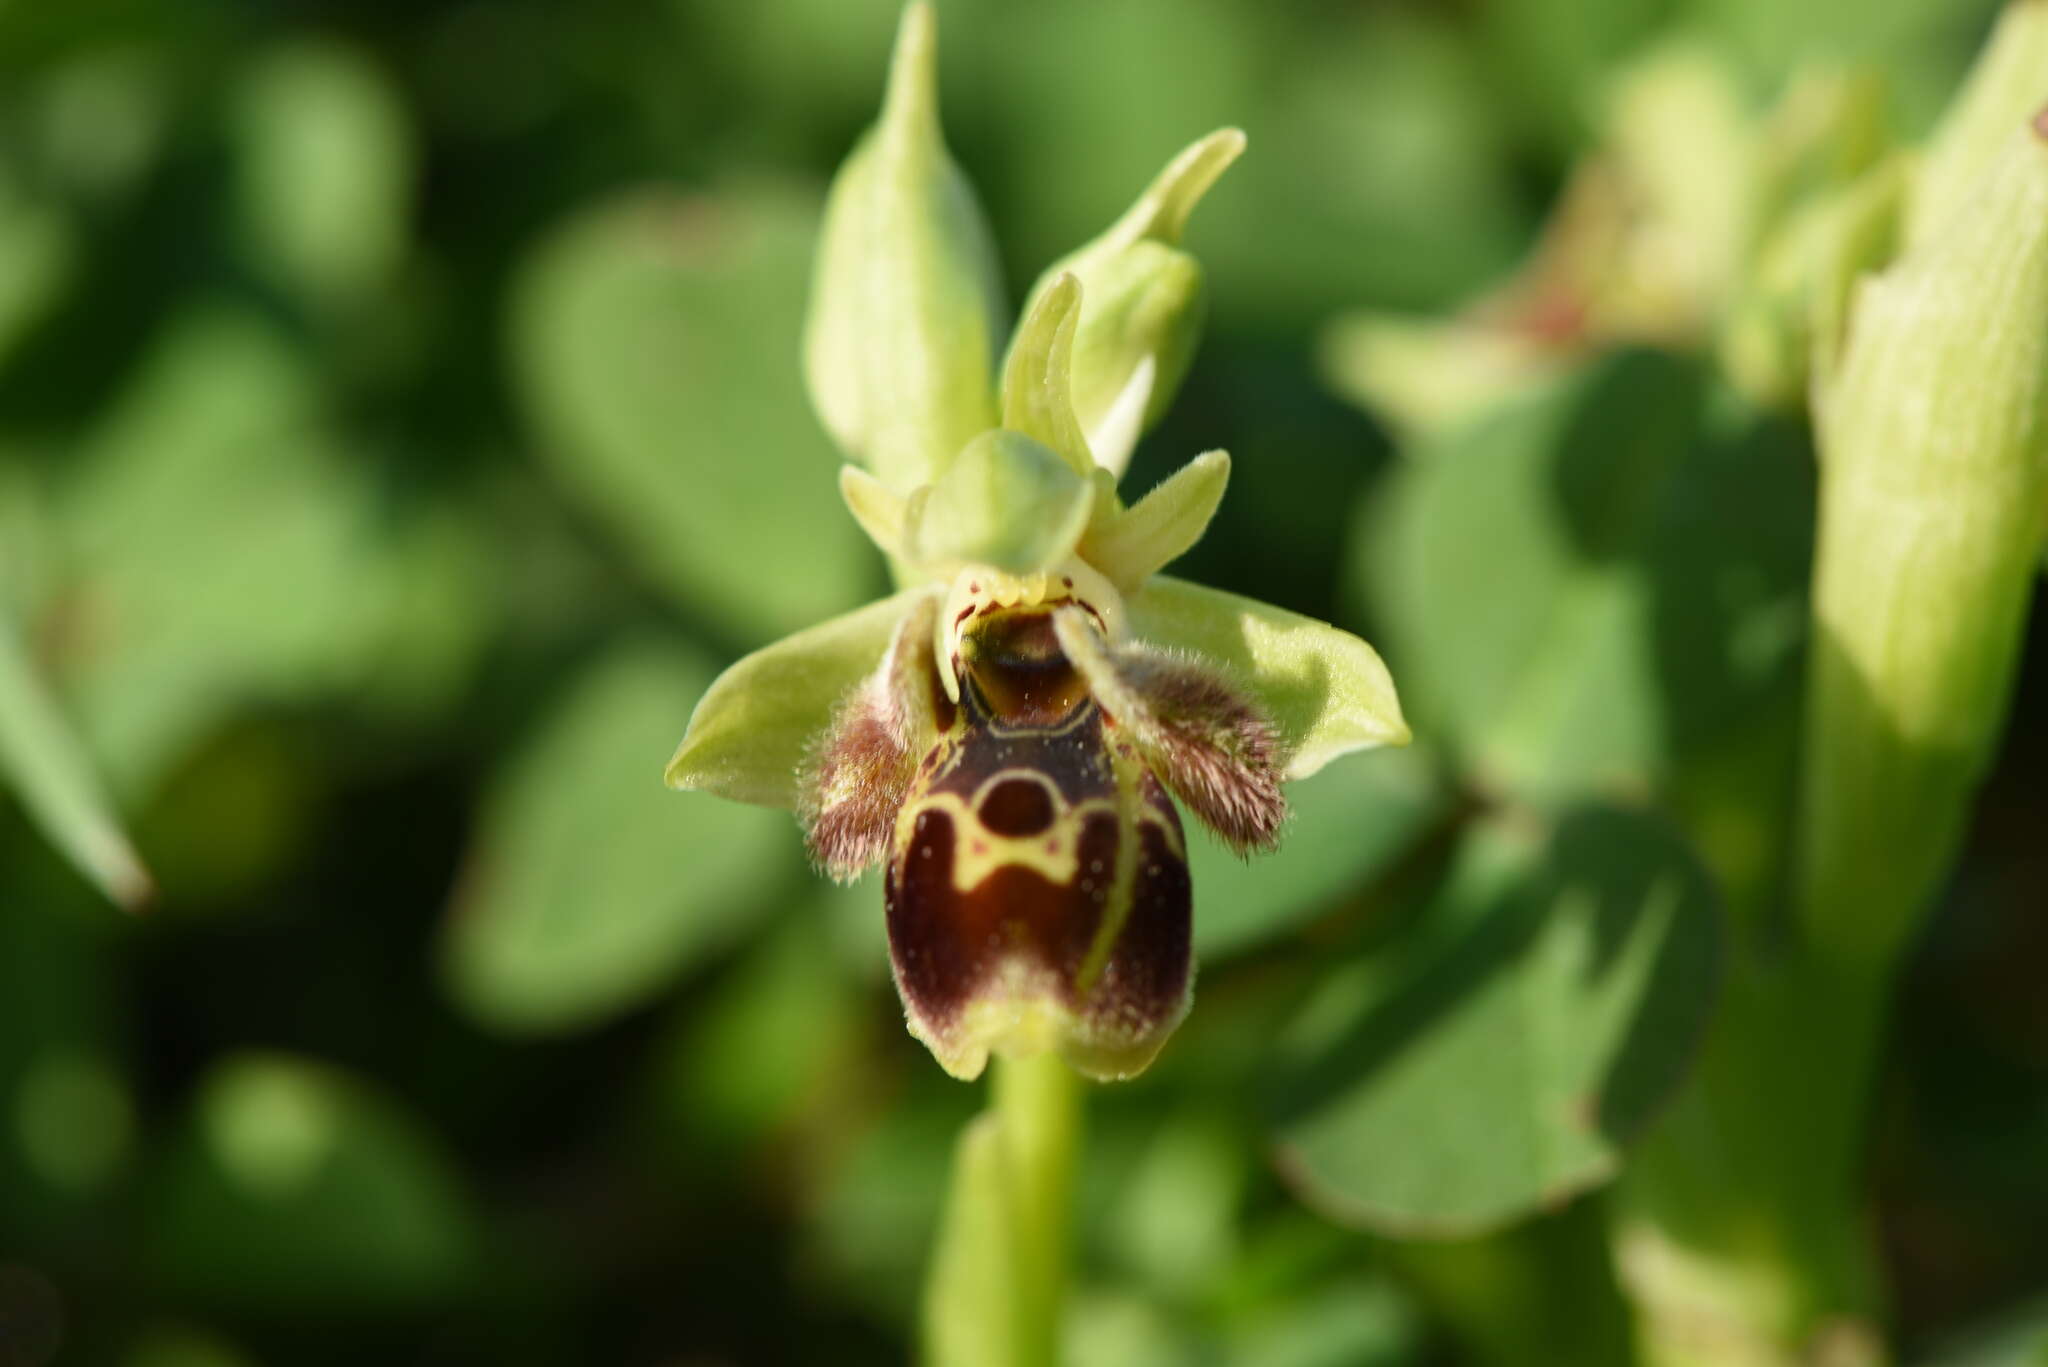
401	418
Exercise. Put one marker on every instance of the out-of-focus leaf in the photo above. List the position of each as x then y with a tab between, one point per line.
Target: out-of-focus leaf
1352	1321
871	1226
1922	46
44	761
1582	584
2017	1339
1500	1058
324	169
763	1053
37	256
1348	824
1553	56
298	1187
182	1347
656	345
1382	148
75	1118
591	886
1175	1215
219	550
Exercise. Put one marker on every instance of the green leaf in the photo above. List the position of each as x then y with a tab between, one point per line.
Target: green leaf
228	550
754	726
1583	585
654	342
1005	501
1499	1057
1346	825
1326	690
38	752
590	886
2018	1338
296	1187
324	169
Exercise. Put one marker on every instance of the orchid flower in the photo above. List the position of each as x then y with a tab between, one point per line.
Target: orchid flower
1009	736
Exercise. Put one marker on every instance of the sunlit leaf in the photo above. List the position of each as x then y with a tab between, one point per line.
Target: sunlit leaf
1587	581
1500	1057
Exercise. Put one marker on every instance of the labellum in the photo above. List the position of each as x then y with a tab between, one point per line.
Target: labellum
1036	872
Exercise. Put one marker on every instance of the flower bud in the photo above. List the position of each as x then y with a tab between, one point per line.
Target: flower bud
1934	481
906	300
2006	85
1142	302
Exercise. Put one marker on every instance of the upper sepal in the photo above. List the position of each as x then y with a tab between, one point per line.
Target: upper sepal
1326	691
906	300
754	727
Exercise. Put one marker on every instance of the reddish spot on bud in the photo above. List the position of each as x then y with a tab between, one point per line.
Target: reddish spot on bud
2041	123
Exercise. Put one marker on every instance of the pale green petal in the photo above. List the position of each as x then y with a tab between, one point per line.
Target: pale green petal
1143	304
1037	396
1325	689
750	732
1159	528
879	509
1006	501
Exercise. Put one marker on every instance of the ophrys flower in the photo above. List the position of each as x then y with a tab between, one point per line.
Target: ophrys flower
1008	734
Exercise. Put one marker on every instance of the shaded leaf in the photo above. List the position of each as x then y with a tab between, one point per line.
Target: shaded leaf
590	886
1585	583
654	343
1499	1057
1347	824
296	1186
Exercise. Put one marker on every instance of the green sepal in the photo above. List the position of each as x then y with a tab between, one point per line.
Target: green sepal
1143	300
1038	397
1005	501
755	724
906	302
1326	690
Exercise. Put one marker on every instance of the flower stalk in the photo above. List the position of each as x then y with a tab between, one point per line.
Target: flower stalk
998	1273
1742	1234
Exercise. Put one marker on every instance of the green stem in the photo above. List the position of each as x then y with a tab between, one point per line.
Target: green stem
999	1271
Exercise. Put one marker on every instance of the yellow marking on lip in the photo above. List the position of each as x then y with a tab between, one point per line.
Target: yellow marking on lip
1054	853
